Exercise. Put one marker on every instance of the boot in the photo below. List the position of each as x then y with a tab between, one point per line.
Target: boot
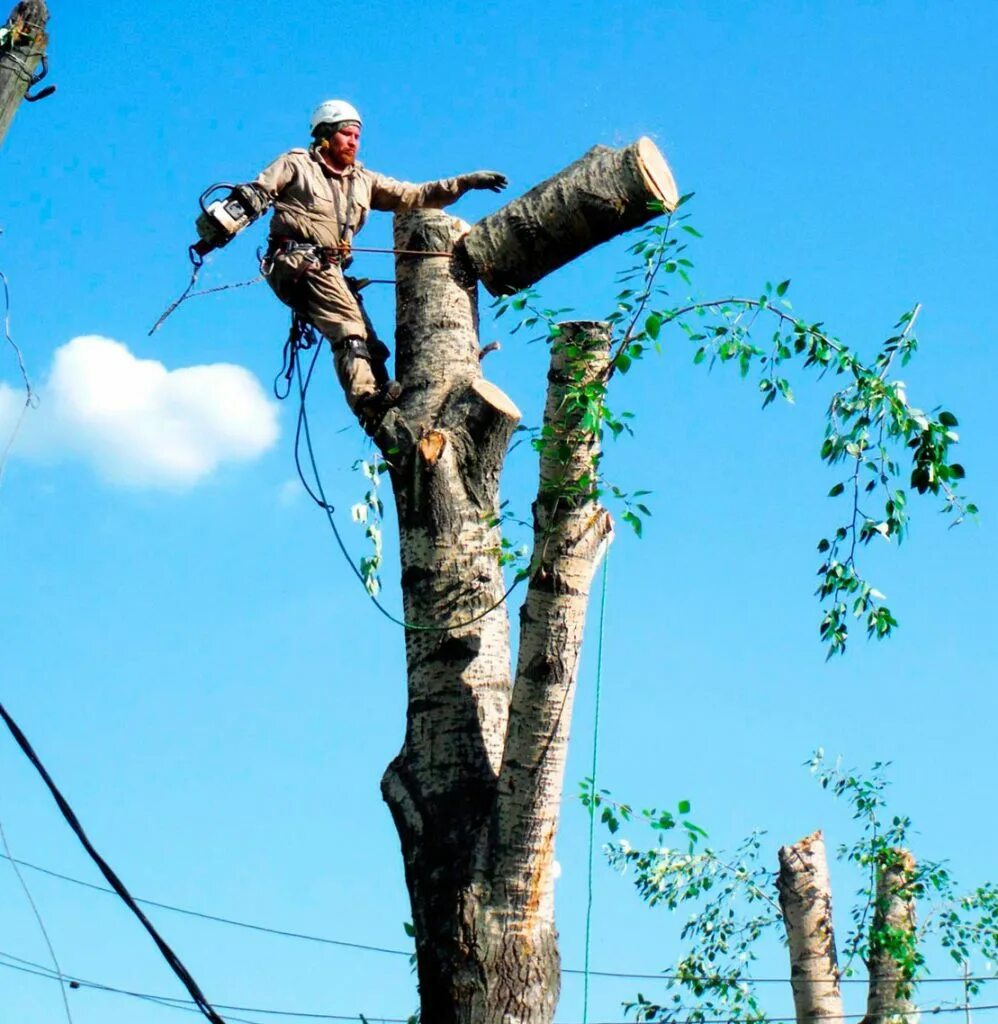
371	410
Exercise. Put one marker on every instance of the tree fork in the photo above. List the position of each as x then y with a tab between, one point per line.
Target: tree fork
474	791
806	901
22	46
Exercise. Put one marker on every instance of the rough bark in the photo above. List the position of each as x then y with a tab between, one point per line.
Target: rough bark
445	447
603	194
571	534
474	789
21	48
892	943
806	901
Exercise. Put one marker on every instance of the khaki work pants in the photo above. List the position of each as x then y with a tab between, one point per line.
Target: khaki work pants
319	293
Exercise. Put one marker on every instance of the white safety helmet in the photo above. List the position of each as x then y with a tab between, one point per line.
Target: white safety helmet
334	112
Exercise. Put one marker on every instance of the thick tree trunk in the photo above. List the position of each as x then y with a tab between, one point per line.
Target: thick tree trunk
603	194
806	901
474	789
892	943
445	447
22	43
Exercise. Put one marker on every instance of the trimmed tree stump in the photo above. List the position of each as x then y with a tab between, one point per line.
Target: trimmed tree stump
22	44
806	901
603	194
889	1000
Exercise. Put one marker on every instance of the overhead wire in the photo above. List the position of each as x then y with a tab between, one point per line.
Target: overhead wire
369	948
114	881
38	918
170	1002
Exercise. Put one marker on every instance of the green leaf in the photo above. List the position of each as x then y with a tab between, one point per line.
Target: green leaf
622	362
781	288
836	490
684	807
947	419
653	325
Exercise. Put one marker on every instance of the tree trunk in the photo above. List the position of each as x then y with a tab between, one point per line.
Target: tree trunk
445	447
806	901
603	194
571	534
892	943
22	44
474	789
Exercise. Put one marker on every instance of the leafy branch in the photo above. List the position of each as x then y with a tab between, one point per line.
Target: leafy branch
370	513
869	420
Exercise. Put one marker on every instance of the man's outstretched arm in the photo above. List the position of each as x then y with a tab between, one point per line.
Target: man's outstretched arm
390	194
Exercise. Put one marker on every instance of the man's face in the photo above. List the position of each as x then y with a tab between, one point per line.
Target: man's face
343	146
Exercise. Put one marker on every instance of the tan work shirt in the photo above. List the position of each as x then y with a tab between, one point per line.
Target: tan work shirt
315	204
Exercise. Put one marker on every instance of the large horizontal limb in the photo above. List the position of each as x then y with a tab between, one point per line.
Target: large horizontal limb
603	194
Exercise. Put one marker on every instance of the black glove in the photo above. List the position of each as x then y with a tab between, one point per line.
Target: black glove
491	180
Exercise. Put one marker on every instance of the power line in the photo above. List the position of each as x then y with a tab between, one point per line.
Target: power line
176	965
172	1002
38	919
38	970
221	920
365	947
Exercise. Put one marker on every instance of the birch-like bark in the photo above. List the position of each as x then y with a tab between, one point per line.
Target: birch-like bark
571	533
806	901
22	44
604	193
892	943
475	789
445	445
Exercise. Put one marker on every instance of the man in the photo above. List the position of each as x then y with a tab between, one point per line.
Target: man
322	197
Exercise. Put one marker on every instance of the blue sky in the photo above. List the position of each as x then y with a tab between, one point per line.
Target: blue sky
184	645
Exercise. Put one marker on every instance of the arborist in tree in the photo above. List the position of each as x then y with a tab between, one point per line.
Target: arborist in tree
321	198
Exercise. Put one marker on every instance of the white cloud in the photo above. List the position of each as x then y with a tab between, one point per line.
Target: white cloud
138	423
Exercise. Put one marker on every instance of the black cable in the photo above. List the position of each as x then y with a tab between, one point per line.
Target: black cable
40	971
633	975
74	823
177	1004
220	920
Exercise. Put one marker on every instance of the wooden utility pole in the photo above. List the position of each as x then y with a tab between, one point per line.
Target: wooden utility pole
22	48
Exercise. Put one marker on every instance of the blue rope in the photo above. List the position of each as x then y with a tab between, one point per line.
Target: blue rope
592	803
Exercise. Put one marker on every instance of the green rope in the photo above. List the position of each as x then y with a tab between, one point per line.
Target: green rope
592	803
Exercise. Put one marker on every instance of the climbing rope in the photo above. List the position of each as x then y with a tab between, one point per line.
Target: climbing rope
592	804
197	262
302	430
